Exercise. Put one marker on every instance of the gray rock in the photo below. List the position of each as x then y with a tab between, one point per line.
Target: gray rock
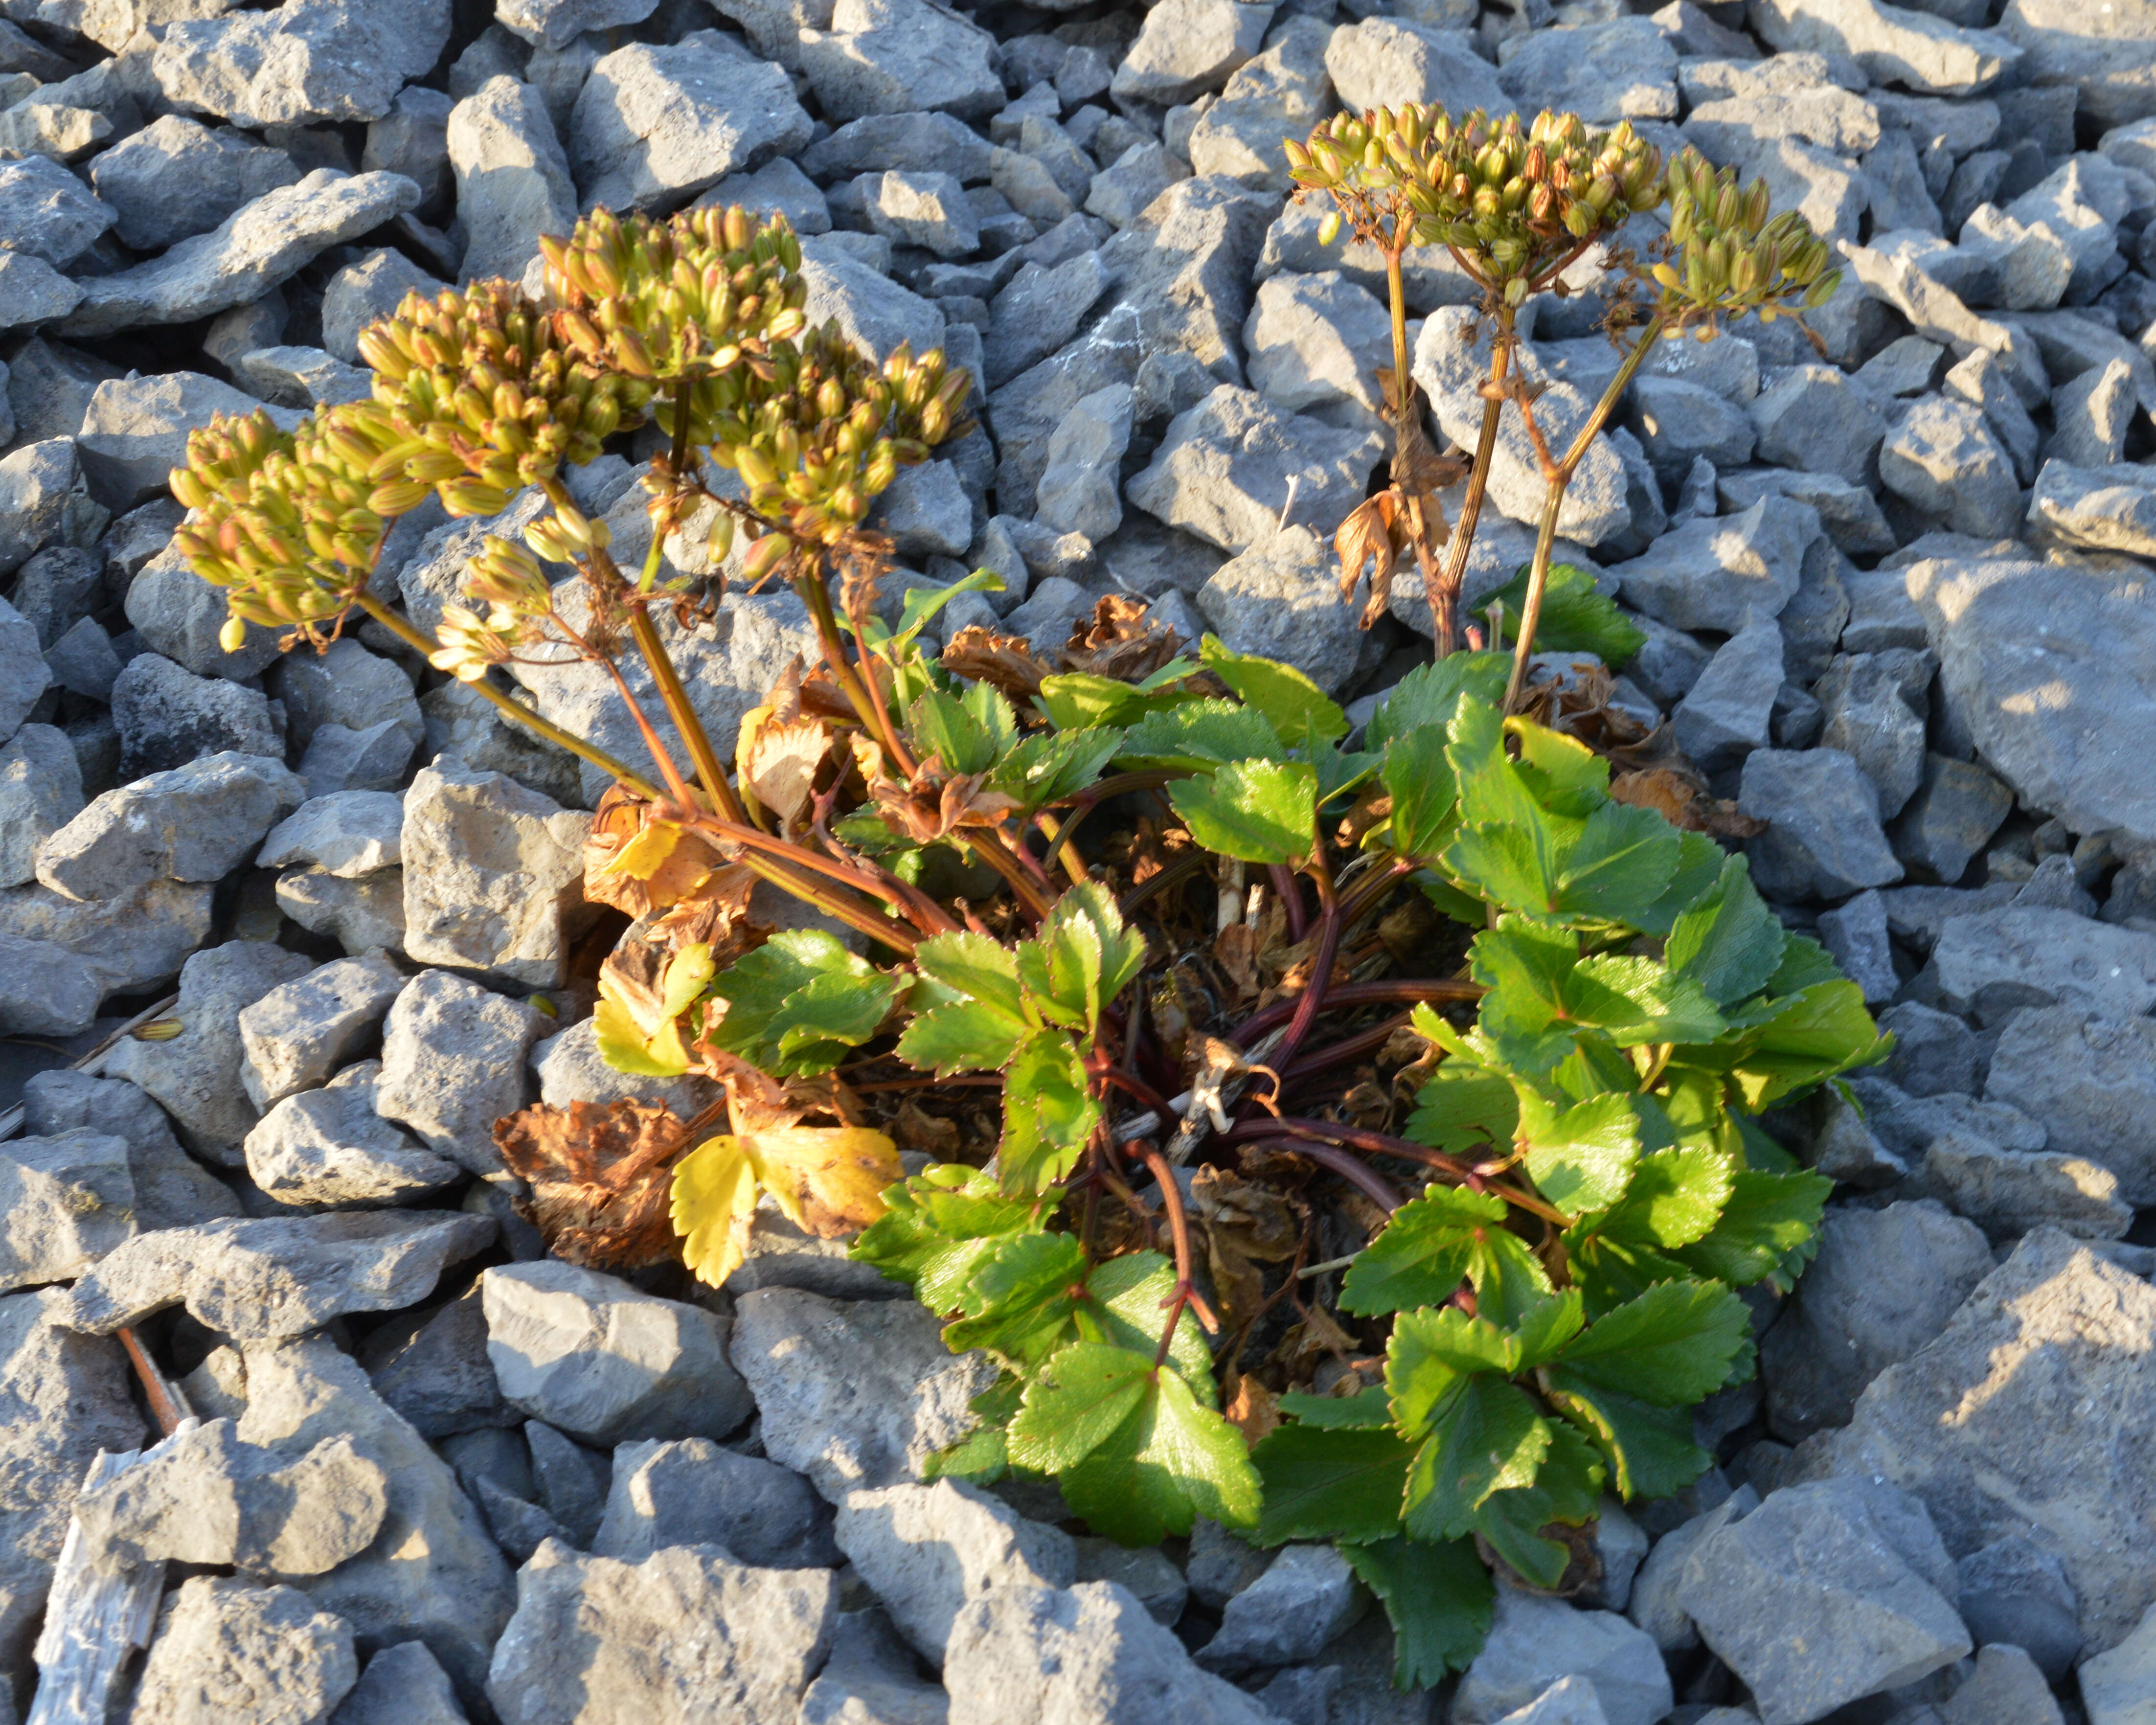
1957	807
2056	1326
1812	418
2089	1081
1993	962
276	1278
432	1573
1916	50
1088	1652
296	1035
226	1644
1851	1571
570	1070
195	1074
168	720
556	23
464	723
431	1369
693	1491
777	187
926	511
40	792
48	212
1622	70
924	209
177	614
519	1529
1384	62
1724	716
2015	1593
1308	343
83	661
493	876
1722	574
1280	599
44	989
513	184
1079	492
573	1481
2098	508
1184	266
350	834
664	1640
1885	1283
1875	708
328	1149
1537	1642
654	127
907	141
31	291
43	501
360	914
412	139
376	285
255	249
1279	93
402	1685
2006	1686
1307	1596
1980	378
1122	191
1143	1572
870	1676
69	1201
1824	840
587	1353
206	1497
1934	1052
1186	46
856	1395
309	60
194	823
1679	422
2092	412
1855	935
135	431
2007	1192
1224	468
176	178
2081	203
95	950
1037	310
170	1189
453	1063
899	57
301	377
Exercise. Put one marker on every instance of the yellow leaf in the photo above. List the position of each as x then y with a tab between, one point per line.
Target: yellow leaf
828	1180
691	968
714	1197
646	854
625	1046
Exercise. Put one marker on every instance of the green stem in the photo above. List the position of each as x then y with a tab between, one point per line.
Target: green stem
424	644
1445	596
1531	610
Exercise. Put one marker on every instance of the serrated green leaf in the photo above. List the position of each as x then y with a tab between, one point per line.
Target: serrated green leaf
1048	1115
1526	966
1581	1157
1700	862
1430	694
1671	1346
1675	1198
1560	773
1651	1449
1463	1108
1769	1227
1433	1352
938	1225
975	965
1338	1482
1054	764
1121	949
980	1458
1425	796
1546	1325
1729	942
1431	1244
1440	1599
1575	619
1060	970
1610	1269
921	603
1617	866
1635	1000
1491	792
1487	1438
1369	1407
1076	1402
1511	865
1805	964
1803	1040
1302	715
1567	1488
1076	700
1130	1296
1257	811
944	725
1200	735
1019	1298
796	1003
969	1037
1170	1462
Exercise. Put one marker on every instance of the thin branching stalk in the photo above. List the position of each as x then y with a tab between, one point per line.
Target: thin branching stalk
1357	1172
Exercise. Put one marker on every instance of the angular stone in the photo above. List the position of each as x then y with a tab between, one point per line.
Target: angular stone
1235	469
350	834
176	178
856	1395
224	1644
40	792
135	431
255	249
899	57
1623	70
402	1685
1145	1573
1957	807
556	23
1384	62
1088	1652
1824	840
1934	1052
1078	492
587	1353
1723	572
105	948
1037	310
1186	46
1185	266
67	1201
33	292
2015	1593
654	127
1812	418
1308	347
177	614
195	823
512	180
1280	94
2099	508
1307	1596
453	1064
1280	599
2007	1192
2109	63
1875	706
376	285
871	1675
170	1190
2092	412
570	1069
2115	1685
922	209
1535	1641
1993	962
1726	714
359	914
907	141
695	1492
1679	422
296	1035
1915	49
328	1149
2092	1081
168	720
1942	458
308	61
466	725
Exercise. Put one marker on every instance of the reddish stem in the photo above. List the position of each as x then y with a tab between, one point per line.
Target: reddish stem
1171	1197
1290	897
1392	990
1353	1047
1356	1173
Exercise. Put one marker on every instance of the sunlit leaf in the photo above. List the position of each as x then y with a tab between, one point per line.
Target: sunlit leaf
1301	714
1258	811
1439	1597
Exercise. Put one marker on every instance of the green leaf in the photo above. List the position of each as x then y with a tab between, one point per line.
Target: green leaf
1526	966
1200	735
1425	797
1431	1245
1636	1000
1769	1227
1440	1599
1048	1115
1804	963
1343	1482
943	725
933	1227
1514	865
1491	791
1671	1346
1575	619
1802	1041
1129	1302
1170	1462
974	965
921	603
1054	765
1021	1298
1617	866
1076	1404
1729	942
1463	1108
1430	694
1560	773
1077	700
1675	1198
1369	1407
1651	1449
1700	863
1546	1325
1581	1157
1301	714
796	1003
970	1037
1433	1352
1258	811
1488	1438
1567	1488
1121	949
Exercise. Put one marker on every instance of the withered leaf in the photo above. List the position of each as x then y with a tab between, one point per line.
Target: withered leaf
637	862
1252	1410
1673	795
599	1177
1122	640
1005	662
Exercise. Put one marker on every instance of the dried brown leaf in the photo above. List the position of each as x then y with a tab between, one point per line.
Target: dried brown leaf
1122	640
1674	795
1252	1410
1005	662
638	863
599	1177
